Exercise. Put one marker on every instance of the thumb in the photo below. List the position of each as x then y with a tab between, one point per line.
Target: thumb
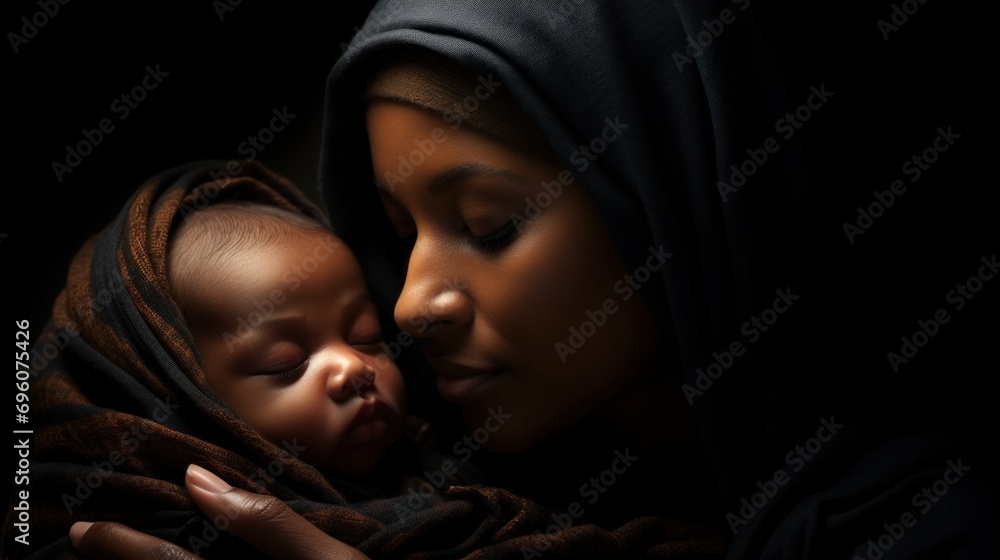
264	521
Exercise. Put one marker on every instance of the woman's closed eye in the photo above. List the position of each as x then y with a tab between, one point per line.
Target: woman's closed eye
496	240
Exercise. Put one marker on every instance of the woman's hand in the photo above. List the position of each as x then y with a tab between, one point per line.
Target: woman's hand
263	521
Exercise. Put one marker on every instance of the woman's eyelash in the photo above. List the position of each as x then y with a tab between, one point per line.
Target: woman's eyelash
496	240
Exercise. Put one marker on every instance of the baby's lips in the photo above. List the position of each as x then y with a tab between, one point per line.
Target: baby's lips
366	431
370	423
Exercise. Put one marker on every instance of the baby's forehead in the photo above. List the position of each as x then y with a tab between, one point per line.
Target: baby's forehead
241	225
234	213
206	240
214	274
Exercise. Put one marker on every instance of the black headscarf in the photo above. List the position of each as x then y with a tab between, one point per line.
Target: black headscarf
709	168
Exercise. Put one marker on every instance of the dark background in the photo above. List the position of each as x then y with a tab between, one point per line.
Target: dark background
227	76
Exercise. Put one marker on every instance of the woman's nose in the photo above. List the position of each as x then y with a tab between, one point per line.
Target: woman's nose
349	376
432	300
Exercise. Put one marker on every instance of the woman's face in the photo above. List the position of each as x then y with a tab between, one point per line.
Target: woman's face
527	311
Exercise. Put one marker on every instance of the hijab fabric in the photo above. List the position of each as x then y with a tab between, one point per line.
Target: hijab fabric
706	167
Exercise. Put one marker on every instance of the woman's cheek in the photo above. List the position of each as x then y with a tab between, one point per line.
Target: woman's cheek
564	265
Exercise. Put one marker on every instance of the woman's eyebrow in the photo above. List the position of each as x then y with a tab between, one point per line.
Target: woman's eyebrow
455	175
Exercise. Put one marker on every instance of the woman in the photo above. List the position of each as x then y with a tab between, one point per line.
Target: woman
674	131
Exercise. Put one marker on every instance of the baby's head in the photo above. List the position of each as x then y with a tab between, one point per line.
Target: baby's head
289	339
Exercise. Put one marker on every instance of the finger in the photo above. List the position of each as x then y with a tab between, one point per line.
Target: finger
114	541
265	522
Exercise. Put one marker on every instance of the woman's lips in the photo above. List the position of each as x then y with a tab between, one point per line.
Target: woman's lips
458	381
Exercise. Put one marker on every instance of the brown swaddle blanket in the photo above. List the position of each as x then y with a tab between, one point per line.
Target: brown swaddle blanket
121	407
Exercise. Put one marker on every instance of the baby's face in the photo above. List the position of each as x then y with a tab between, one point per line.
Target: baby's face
291	341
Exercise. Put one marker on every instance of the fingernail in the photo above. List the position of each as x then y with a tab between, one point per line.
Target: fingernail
77	531
206	481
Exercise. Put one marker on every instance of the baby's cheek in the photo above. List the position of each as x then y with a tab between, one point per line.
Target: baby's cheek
279	421
303	436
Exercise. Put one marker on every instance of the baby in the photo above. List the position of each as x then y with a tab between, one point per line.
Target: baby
288	336
251	320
